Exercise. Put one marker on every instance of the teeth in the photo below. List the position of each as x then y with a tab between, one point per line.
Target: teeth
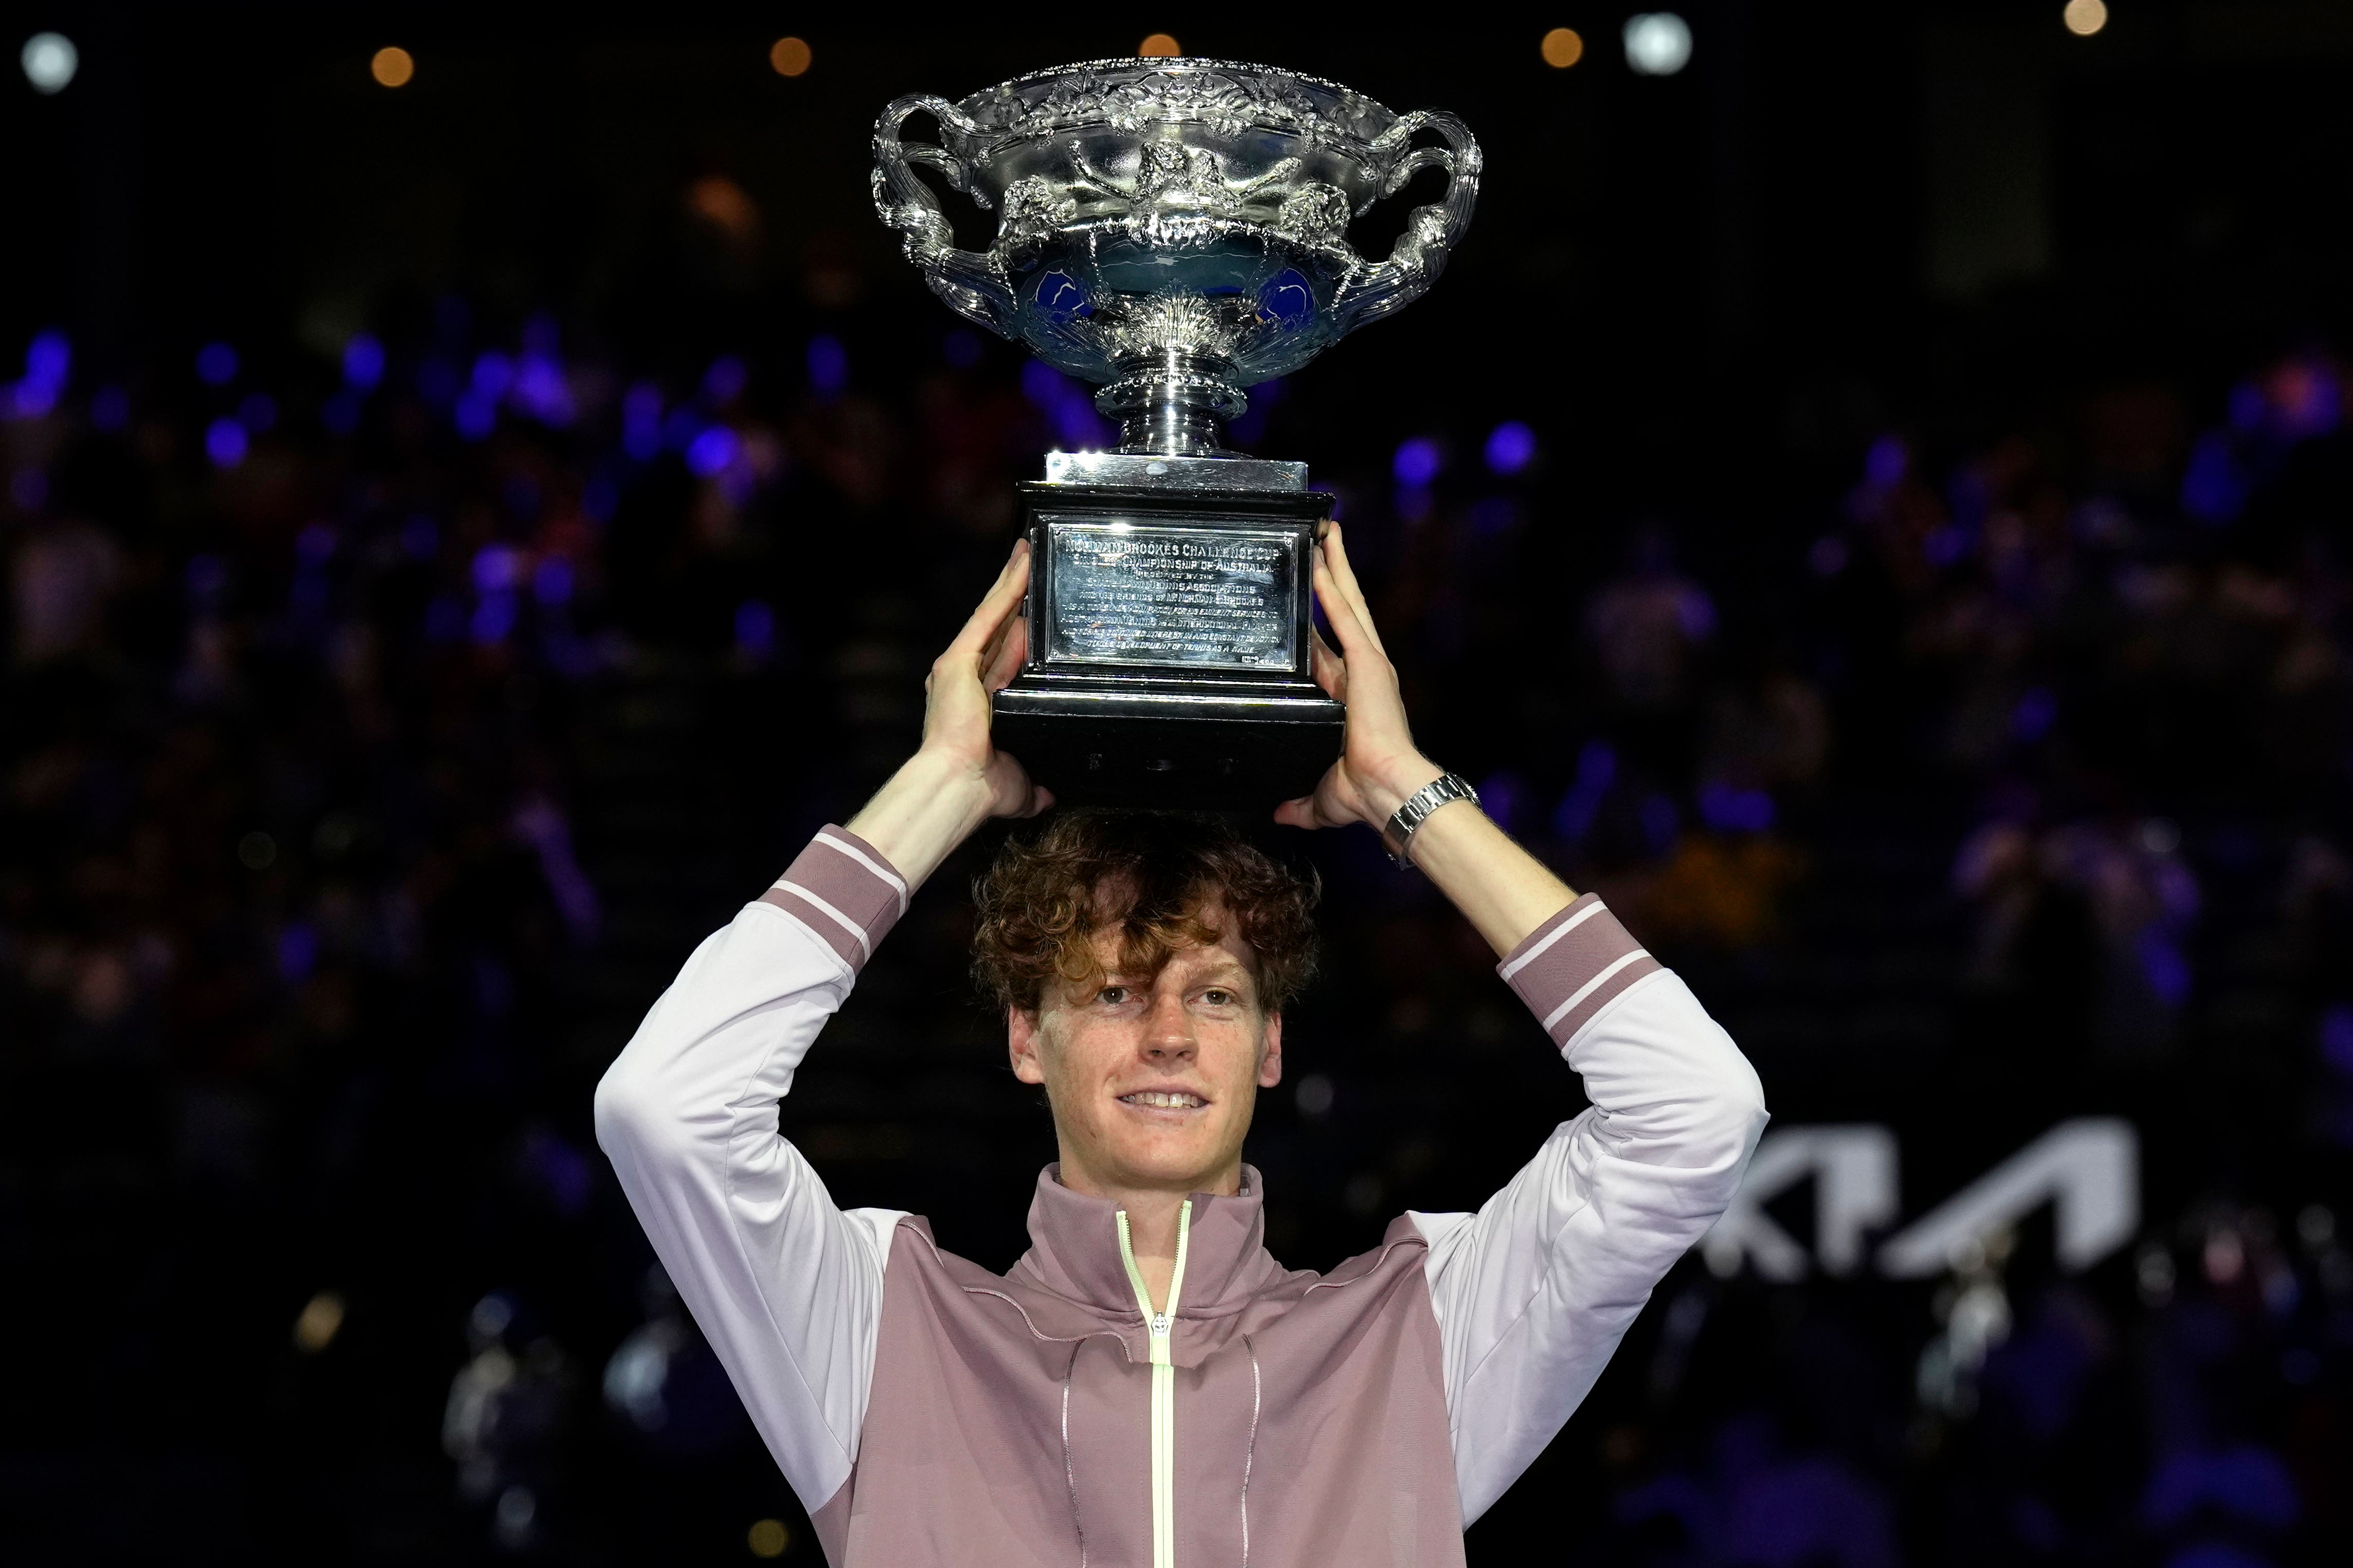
1160	1099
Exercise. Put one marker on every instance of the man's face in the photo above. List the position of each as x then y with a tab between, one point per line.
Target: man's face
1151	1079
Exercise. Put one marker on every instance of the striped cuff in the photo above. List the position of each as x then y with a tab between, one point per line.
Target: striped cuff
844	891
1574	965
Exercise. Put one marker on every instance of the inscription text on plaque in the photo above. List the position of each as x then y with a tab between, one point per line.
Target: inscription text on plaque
1131	594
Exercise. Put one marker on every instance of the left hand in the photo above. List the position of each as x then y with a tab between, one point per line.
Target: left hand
1379	767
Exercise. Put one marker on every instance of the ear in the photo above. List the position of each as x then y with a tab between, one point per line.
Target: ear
1021	1046
1270	1054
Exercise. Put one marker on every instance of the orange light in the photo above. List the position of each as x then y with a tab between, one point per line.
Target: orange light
1562	47
392	67
2084	18
1159	46
768	1538
790	57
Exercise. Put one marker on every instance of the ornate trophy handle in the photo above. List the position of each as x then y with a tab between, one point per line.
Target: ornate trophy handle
970	281
1414	263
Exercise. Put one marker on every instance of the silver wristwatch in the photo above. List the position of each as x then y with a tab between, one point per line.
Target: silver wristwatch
1398	836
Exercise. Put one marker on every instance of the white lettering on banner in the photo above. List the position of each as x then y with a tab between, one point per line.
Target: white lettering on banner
1854	1191
2089	1168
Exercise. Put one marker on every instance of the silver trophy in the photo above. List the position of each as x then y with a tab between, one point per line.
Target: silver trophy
1172	231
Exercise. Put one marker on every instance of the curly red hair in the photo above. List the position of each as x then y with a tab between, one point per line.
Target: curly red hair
1161	879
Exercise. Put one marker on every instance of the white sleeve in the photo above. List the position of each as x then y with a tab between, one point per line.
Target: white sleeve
787	1287
1534	1292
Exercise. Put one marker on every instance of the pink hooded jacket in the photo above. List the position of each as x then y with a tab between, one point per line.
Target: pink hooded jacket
929	1412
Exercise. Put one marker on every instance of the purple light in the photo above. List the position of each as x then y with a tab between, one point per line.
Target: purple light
29	488
1730	810
711	451
1887	461
258	412
539	391
49	359
641	422
298	953
724	382
755	629
2163	966
476	415
421	537
224	443
1418	462
601	498
493	374
1828	557
497	568
1511	446
1596	769
363	361
315	543
2036	712
551	583
1042	384
110	408
961	349
341	412
494	617
216	365
828	365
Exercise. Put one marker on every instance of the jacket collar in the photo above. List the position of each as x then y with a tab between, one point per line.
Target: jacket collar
1074	1249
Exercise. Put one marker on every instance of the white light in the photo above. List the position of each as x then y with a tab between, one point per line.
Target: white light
1658	43
51	61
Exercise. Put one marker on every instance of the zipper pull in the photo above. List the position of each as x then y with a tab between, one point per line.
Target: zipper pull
1160	1324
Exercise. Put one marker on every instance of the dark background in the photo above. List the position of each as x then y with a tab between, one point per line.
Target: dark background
1924	617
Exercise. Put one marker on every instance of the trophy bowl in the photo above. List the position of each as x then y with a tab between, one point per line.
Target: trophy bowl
1172	230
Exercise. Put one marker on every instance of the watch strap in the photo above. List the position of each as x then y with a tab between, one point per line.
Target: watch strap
1398	836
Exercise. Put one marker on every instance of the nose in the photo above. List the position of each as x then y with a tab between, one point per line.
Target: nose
1168	1029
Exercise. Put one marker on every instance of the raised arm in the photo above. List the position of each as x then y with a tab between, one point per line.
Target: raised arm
1534	1291
788	1288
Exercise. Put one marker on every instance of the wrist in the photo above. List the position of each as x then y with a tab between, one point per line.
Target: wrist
1393	783
929	806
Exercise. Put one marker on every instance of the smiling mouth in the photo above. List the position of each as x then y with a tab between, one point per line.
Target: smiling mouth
1163	1099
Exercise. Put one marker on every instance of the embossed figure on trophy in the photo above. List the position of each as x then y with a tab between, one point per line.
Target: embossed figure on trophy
1173	231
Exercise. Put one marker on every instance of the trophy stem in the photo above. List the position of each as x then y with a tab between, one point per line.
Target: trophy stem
1174	405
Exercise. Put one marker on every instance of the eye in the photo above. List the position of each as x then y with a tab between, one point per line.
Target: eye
1218	997
1111	996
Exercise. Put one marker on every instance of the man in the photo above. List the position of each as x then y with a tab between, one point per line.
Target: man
1147	1386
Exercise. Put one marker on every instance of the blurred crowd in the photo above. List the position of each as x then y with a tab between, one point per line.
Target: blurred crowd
384	720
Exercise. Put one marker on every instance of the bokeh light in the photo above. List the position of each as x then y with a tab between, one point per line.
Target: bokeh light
392	67
2084	18
1511	446
51	61
790	57
768	1538
1562	47
1159	46
1658	43
217	365
321	1318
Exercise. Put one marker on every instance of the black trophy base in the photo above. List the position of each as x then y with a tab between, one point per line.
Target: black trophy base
1174	751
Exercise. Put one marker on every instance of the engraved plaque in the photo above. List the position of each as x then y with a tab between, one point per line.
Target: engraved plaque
1131	594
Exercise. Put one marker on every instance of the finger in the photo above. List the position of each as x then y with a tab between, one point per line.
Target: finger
1356	636
1328	669
1336	553
1010	653
1003	595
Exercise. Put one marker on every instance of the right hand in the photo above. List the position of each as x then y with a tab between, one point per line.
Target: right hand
981	662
